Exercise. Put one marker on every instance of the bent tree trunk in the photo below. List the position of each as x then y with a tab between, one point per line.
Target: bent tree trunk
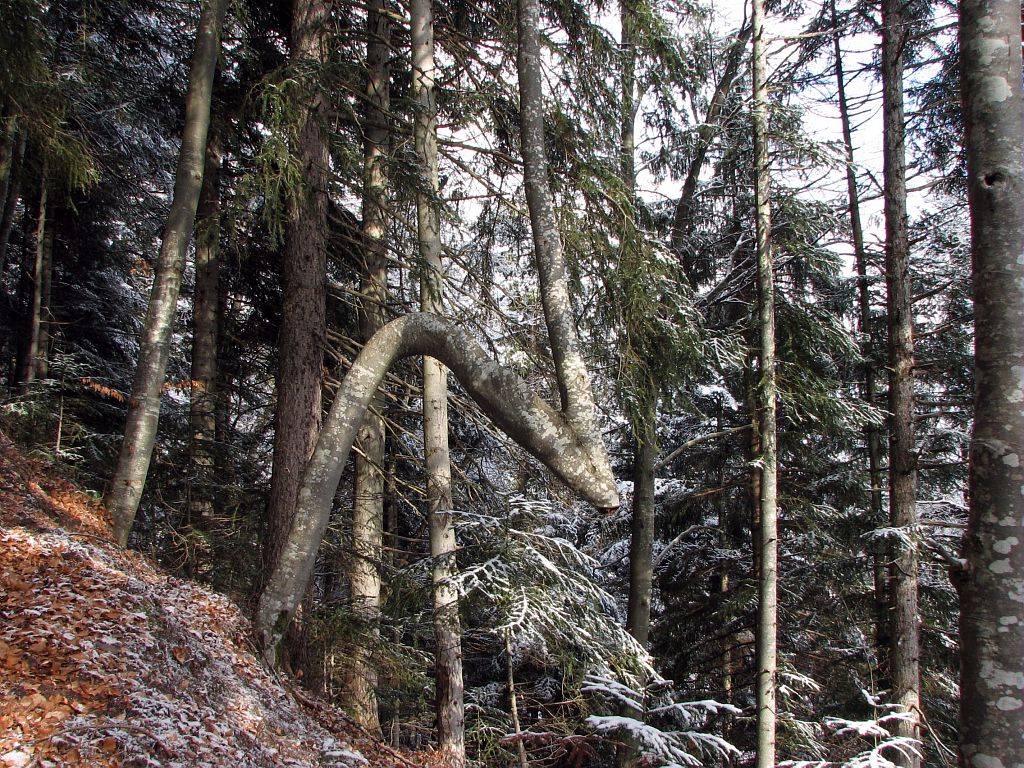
992	583
125	491
504	397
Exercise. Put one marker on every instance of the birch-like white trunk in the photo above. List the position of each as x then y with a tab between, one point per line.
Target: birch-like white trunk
768	537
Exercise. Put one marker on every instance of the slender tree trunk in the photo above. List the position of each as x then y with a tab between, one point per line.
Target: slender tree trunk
205	334
39	281
11	199
869	393
570	369
513	703
992	582
683	217
368	506
767	603
905	642
447	628
125	491
303	313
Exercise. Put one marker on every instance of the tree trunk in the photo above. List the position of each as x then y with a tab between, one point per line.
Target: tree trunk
767	602
567	442
368	504
447	629
303	312
7	145
683	219
29	358
205	334
992	582
573	380
904	651
11	198
125	491
505	398
869	393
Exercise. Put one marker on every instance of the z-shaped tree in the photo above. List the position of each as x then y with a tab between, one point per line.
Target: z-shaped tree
566	441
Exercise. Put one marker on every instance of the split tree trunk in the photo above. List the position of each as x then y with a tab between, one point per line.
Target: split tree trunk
449	687
767	582
992	582
126	485
905	639
29	356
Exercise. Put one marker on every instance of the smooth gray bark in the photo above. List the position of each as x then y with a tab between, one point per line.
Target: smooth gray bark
504	397
573	380
904	655
368	500
992	582
449	686
767	581
125	490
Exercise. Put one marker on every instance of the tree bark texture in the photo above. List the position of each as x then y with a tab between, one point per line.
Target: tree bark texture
126	485
205	334
573	380
992	581
504	397
368	501
449	686
303	312
904	653
641	540
872	438
767	540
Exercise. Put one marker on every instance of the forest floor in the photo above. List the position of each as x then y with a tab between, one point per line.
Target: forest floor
106	660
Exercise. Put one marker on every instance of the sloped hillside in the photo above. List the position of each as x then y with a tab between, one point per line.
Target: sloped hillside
107	661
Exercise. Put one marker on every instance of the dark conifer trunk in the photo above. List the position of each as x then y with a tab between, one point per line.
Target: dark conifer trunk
904	653
303	314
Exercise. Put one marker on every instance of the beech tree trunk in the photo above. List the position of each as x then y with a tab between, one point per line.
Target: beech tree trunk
368	502
872	438
205	334
767	597
905	641
303	312
992	581
505	398
447	628
125	490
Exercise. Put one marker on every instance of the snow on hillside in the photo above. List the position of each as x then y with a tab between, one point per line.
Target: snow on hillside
107	661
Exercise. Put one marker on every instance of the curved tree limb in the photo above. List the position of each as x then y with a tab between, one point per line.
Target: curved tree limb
503	396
